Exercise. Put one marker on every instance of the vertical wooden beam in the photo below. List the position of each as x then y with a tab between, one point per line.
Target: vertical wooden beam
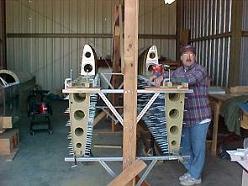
179	24
116	40
130	82
116	61
183	35
121	36
236	28
2	34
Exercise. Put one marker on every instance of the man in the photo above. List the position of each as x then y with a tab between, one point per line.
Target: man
197	115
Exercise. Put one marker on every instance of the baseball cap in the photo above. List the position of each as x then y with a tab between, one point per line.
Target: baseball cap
187	48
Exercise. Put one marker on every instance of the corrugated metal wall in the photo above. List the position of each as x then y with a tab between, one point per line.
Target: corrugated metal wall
244	46
56	45
156	18
210	24
245	15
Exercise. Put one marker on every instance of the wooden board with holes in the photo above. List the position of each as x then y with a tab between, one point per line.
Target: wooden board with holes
9	140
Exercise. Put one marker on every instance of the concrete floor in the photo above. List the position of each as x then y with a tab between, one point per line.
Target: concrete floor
40	161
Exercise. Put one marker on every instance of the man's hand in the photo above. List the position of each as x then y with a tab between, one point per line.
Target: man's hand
157	80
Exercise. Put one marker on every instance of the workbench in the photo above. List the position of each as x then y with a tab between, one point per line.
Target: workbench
216	101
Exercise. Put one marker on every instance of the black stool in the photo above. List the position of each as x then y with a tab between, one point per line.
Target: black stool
39	110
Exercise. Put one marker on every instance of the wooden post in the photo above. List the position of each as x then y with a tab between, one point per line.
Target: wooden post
183	35
131	13
117	35
2	35
179	23
116	40
234	70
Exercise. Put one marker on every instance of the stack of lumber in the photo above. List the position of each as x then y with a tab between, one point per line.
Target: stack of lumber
9	138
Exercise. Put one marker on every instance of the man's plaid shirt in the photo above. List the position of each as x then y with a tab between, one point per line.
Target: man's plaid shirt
196	106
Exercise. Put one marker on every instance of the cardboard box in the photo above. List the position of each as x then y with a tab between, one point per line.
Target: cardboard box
5	122
9	140
244	120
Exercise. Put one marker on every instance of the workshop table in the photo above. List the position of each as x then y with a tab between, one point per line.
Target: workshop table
216	101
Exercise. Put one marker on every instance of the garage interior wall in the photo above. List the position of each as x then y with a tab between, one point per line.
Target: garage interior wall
209	23
46	37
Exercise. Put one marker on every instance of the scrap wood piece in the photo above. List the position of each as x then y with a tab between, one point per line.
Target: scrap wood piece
128	174
144	183
238	89
176	89
99	117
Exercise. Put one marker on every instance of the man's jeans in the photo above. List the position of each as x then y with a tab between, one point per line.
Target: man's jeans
194	144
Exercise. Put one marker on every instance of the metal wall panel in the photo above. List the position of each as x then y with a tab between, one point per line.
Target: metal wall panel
245	15
244	47
157	18
208	21
50	59
244	62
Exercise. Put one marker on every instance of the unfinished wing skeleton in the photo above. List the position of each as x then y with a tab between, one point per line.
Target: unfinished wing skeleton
82	105
164	118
